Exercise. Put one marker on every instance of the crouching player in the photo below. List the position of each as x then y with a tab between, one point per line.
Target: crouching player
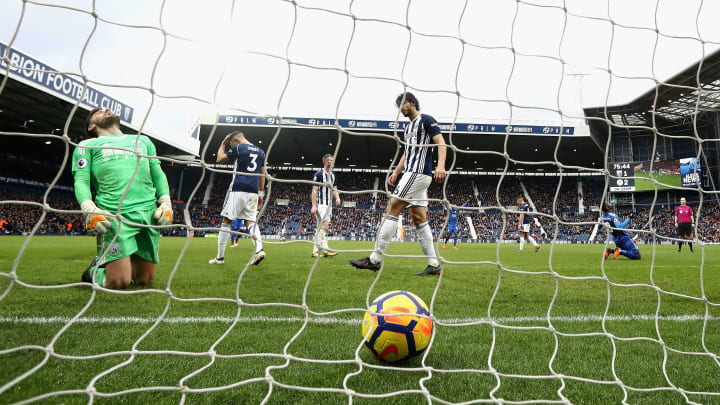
128	253
623	243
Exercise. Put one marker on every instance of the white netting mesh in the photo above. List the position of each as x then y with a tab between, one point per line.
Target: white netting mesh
463	60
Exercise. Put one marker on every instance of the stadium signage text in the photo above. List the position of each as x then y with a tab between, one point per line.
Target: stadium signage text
57	83
251	120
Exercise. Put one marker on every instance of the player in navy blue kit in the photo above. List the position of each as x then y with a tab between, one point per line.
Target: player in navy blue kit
421	133
452	227
245	194
524	222
322	198
623	243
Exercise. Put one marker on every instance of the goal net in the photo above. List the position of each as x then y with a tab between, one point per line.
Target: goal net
561	104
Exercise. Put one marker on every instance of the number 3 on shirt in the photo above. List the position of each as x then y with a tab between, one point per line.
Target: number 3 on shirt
253	163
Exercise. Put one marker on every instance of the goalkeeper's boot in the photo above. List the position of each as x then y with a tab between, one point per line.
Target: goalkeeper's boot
616	254
217	260
608	252
87	274
330	254
365	263
258	257
430	271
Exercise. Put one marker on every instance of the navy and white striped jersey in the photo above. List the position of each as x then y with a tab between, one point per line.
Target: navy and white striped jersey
525	207
419	132
325	193
248	159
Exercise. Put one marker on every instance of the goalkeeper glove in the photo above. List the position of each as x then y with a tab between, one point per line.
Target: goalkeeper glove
164	214
96	220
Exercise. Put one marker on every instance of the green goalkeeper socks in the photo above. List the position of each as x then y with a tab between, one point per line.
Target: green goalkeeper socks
100	276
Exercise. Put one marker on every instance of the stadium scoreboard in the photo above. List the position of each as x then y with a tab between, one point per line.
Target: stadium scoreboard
622	179
656	175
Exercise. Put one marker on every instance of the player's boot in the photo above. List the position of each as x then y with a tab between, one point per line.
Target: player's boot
217	260
616	254
258	257
330	254
365	263
430	271
519	251
455	247
537	248
444	245
87	275
315	254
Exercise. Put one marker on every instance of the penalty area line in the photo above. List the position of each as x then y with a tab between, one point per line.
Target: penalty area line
347	321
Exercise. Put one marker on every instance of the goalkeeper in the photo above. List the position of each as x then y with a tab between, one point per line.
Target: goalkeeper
133	255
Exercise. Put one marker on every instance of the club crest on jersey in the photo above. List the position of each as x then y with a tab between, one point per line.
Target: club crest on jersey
114	249
81	163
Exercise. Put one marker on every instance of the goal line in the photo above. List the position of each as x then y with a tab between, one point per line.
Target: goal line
347	321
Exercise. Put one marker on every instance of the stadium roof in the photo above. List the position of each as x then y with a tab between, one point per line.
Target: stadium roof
370	144
37	99
692	93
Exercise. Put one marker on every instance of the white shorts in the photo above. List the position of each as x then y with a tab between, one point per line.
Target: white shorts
412	188
525	228
323	213
240	205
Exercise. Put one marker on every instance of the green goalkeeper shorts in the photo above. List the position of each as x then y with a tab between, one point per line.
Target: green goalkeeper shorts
131	240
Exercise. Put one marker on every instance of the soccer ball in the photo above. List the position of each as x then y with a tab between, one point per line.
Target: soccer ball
393	338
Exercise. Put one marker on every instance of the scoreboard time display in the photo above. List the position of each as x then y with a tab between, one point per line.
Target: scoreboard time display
623	177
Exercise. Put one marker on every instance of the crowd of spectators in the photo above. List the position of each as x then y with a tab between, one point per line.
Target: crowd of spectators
481	194
19	218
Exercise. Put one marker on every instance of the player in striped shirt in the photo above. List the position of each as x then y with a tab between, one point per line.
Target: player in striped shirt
422	135
524	222
322	198
684	221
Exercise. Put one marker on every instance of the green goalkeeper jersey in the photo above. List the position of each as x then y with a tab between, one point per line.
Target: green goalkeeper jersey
111	170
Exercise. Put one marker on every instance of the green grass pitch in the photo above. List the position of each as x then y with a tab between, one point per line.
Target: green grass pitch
648	185
254	348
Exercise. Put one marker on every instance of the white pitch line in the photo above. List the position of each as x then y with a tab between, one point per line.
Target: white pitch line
348	321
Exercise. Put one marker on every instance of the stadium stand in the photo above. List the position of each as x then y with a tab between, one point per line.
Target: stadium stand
25	180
